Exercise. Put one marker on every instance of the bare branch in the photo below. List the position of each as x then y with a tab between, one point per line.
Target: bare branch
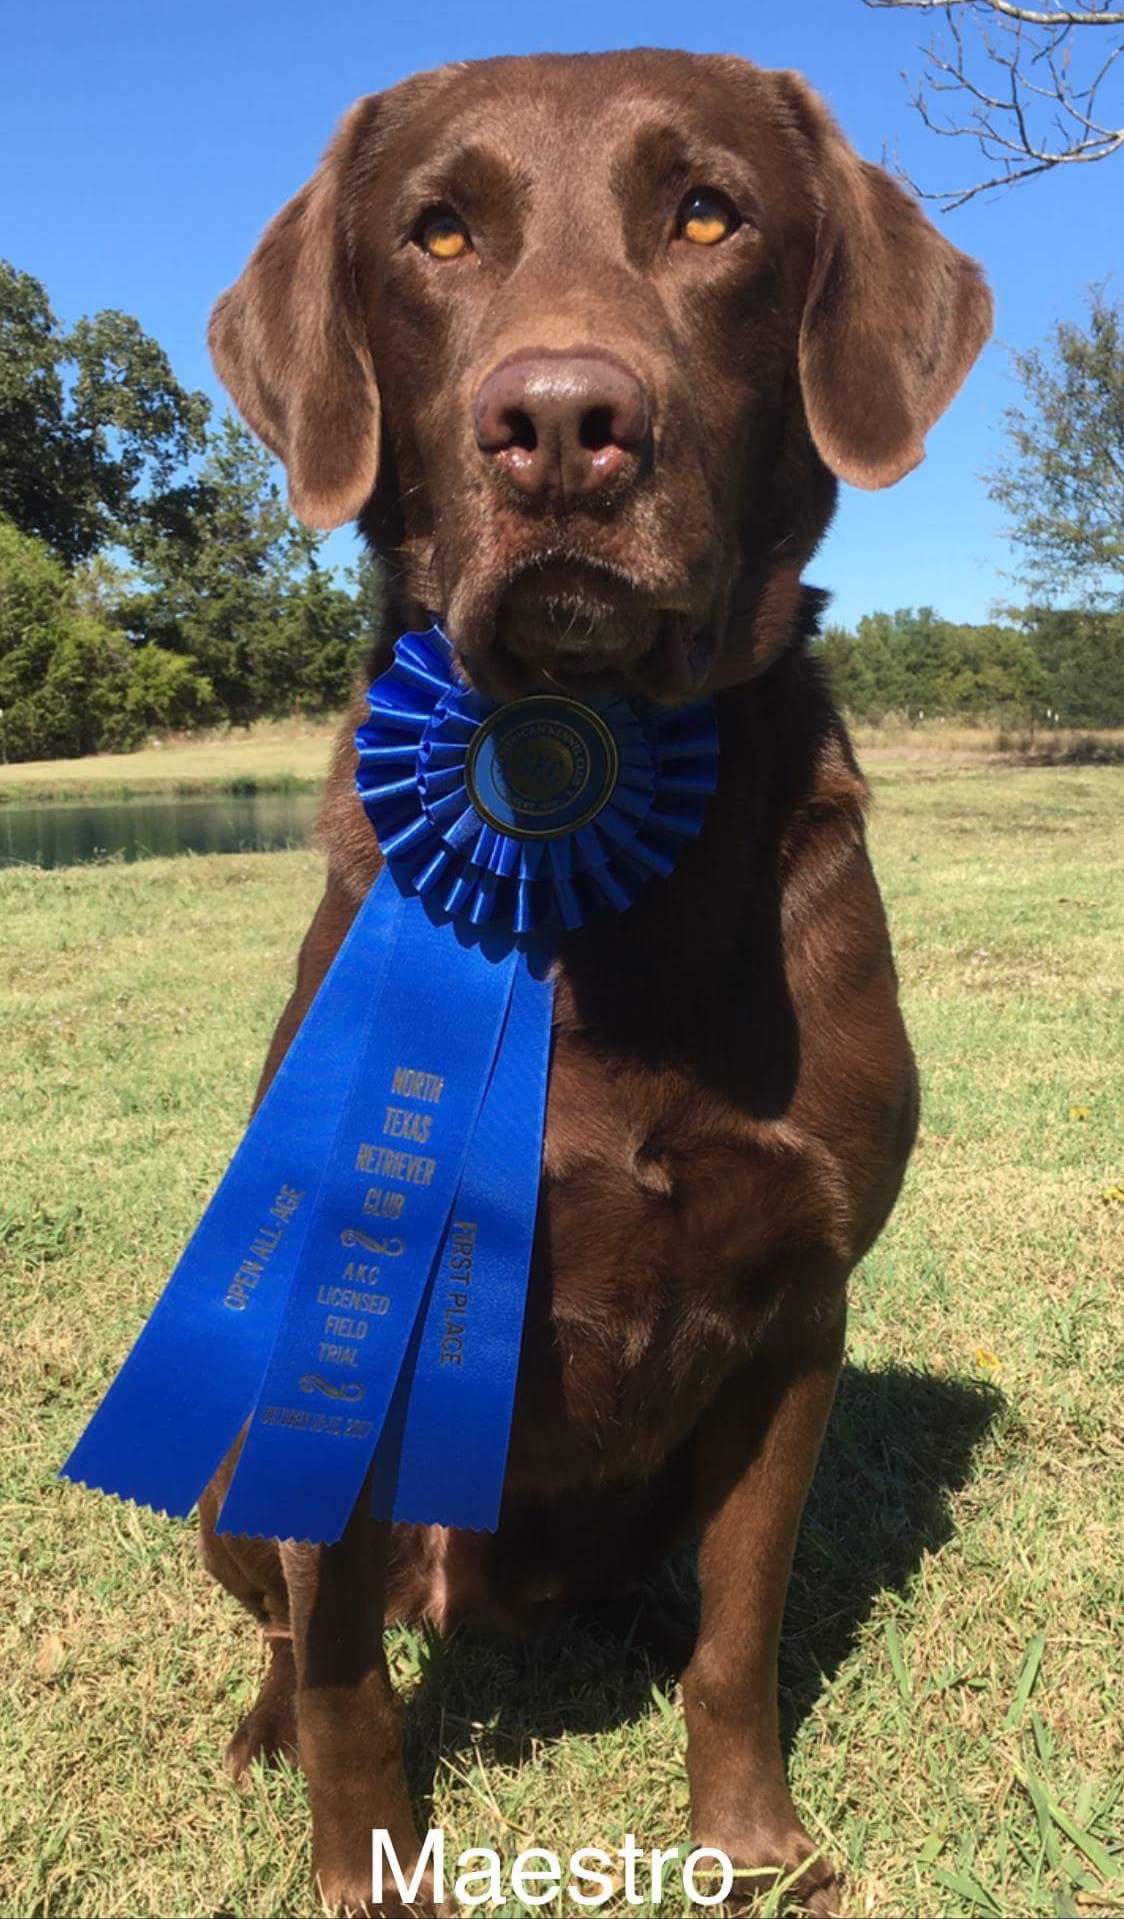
1028	103
1091	15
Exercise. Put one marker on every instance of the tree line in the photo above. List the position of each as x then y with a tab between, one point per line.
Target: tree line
153	580
1041	666
1060	657
151	576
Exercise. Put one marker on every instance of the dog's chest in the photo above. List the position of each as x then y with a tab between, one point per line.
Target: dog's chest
664	1212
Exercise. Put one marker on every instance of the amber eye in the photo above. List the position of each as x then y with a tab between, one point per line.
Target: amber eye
442	235
706	218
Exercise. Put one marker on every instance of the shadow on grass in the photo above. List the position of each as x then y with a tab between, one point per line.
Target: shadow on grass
899	1445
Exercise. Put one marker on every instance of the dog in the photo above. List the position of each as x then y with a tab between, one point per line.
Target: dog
585	345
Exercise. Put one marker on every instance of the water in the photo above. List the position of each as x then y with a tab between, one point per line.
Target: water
141	829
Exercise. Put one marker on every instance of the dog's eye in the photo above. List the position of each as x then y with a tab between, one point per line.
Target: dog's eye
442	235
705	218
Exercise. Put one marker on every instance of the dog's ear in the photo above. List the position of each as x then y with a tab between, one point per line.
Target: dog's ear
289	342
894	317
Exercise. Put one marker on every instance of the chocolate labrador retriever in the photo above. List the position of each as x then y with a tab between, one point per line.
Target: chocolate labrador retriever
585	344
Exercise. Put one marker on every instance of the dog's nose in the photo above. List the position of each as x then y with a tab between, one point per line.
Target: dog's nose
562	425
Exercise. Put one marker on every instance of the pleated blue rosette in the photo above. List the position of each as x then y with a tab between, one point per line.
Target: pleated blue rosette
414	753
352	1300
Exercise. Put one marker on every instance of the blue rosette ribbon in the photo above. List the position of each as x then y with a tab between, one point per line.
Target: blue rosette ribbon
352	1300
455	830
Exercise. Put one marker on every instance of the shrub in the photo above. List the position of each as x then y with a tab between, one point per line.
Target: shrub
69	683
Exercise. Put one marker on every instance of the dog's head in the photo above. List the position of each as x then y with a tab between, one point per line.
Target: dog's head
584	342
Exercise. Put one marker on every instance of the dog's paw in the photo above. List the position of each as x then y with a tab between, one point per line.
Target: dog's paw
268	1732
763	1857
347	1895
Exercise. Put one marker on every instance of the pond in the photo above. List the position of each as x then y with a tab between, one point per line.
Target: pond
74	833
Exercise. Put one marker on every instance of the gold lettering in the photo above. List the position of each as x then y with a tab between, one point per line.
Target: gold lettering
384	1205
409	1083
403	1124
331	1355
408	1168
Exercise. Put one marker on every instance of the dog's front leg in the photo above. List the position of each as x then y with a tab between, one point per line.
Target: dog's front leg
349	1734
757	1448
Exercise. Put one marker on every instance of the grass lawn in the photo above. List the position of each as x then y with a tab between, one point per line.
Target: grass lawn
952	1663
287	755
262	759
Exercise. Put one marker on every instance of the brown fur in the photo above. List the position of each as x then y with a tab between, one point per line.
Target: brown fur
732	1096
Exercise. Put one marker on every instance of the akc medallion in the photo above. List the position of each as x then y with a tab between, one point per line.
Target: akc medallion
541	767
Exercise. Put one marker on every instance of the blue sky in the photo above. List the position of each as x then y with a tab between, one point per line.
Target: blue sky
144	144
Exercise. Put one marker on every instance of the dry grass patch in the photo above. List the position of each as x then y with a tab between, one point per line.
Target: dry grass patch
952	1653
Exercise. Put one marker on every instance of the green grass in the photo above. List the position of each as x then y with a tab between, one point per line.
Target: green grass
266	758
952	1667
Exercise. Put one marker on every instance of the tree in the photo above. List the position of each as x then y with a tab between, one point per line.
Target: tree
166	692
914	664
864	669
234	584
919	641
1031	81
62	674
167	575
93	423
1063	482
989	673
69	684
1081	657
368	576
310	657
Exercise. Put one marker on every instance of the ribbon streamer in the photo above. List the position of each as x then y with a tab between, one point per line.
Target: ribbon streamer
356	1288
190	1383
443	1457
305	1458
